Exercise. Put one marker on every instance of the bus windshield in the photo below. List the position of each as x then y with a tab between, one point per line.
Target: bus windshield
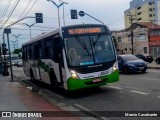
89	50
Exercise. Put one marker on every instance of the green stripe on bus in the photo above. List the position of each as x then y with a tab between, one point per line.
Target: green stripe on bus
74	84
44	66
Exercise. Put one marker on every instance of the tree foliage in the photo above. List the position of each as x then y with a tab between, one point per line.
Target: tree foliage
17	51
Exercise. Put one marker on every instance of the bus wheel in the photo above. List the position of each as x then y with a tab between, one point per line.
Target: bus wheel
31	75
53	81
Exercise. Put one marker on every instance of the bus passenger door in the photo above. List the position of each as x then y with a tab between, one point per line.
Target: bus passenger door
59	59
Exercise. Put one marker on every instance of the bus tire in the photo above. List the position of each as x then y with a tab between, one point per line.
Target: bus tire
32	75
53	80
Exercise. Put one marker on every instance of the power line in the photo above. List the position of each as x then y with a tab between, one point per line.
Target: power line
30	8
10	13
24	10
5	10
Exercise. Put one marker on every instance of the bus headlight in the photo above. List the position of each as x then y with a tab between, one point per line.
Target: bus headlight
115	67
73	74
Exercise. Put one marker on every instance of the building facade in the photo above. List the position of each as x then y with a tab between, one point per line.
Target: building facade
142	11
146	39
140	40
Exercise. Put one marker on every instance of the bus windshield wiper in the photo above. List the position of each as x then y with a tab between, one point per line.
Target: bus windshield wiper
83	44
94	43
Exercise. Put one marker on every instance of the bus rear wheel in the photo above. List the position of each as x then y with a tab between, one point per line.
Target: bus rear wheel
32	75
53	81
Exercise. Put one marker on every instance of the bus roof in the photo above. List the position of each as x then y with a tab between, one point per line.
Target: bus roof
41	36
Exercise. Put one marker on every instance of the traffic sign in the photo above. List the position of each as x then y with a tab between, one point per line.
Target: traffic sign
74	14
39	17
81	13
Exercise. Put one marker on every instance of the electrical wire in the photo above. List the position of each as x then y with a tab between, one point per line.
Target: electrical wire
10	14
24	9
30	8
5	10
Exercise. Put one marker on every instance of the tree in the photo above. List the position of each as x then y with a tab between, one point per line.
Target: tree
17	51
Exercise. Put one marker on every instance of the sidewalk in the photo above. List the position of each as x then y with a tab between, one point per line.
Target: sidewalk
15	97
153	65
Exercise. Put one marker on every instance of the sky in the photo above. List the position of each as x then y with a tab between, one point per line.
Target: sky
110	12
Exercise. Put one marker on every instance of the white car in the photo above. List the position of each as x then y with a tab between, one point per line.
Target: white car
19	63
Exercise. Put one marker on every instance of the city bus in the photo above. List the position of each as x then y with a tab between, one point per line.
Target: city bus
72	57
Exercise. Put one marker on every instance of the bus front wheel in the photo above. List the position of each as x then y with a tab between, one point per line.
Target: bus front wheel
31	75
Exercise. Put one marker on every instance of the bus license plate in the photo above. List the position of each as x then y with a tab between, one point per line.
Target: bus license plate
141	68
96	80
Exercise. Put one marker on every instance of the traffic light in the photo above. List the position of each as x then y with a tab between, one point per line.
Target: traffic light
39	17
4	49
74	14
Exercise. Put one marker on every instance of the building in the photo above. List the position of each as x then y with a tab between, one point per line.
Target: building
140	40
146	39
142	11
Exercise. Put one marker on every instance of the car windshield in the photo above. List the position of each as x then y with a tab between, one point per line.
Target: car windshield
88	50
129	57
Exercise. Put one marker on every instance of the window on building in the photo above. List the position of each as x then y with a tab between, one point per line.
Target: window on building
139	13
150	9
139	8
150	15
139	19
150	3
145	50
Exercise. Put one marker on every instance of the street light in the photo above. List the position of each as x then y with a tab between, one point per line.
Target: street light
29	27
14	44
58	6
63	10
16	36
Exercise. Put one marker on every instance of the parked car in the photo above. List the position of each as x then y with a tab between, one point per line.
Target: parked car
157	60
19	63
145	57
130	63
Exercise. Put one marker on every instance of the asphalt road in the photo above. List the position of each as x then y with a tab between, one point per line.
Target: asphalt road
134	92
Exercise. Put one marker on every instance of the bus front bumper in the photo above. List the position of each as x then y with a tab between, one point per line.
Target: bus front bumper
75	84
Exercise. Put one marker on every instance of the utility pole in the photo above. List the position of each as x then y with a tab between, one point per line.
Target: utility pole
58	6
63	10
131	21
29	28
16	36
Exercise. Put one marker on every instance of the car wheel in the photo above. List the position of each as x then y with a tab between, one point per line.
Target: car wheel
157	62
125	70
143	71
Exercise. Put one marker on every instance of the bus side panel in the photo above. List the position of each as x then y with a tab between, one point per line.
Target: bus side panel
45	65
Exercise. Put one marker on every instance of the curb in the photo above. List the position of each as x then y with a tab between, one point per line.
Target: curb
153	67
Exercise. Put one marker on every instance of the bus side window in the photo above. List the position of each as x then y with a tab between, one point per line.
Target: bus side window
49	48
37	47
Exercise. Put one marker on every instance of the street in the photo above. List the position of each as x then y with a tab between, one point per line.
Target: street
134	92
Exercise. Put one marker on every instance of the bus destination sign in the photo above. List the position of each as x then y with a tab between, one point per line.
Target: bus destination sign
78	31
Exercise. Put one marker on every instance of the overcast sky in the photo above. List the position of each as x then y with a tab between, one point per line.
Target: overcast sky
111	12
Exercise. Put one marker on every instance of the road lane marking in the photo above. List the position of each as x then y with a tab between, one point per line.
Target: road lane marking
115	87
89	112
139	92
150	79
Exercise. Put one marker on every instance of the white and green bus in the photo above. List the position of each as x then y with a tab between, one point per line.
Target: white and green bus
72	57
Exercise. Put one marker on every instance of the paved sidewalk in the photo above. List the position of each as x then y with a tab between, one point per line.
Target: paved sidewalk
153	65
15	97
